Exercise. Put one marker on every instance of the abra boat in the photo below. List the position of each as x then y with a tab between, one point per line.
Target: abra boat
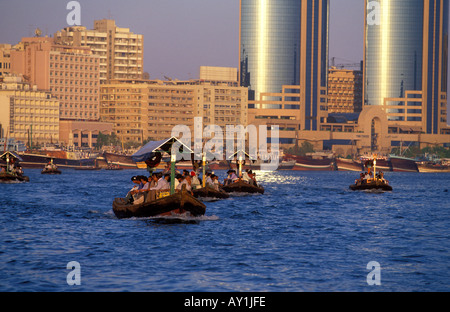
374	185
156	203
178	203
51	171
243	187
209	192
9	174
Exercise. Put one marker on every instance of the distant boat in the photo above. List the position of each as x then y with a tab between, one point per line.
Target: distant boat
343	164
375	185
51	171
403	164
308	163
123	161
432	167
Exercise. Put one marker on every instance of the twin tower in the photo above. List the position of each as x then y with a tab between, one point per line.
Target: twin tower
285	42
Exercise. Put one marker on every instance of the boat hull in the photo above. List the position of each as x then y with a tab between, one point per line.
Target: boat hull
242	187
122	161
432	168
11	178
51	171
400	164
348	165
371	186
36	161
177	203
209	192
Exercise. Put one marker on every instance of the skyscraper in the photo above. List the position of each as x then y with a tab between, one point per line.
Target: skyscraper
285	43
406	59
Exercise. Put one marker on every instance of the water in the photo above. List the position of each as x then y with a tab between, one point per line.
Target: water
308	232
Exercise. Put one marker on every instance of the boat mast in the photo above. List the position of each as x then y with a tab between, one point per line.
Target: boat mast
204	169
173	158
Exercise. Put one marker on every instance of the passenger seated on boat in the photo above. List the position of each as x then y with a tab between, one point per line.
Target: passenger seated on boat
162	183
360	180
129	196
245	176
3	169
195	182
231	178
209	181
252	177
216	183
380	176
183	181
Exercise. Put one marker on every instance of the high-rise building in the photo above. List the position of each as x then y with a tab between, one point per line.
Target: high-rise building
121	52
71	74
285	43
406	62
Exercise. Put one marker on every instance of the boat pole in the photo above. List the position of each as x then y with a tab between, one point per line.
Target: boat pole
375	168
173	159
240	166
204	170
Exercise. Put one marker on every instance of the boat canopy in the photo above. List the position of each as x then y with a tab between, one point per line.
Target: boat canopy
241	153
152	148
11	155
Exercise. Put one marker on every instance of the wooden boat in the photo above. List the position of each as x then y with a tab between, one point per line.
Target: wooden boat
243	187
6	177
209	192
374	185
88	168
403	164
178	203
51	171
343	164
11	169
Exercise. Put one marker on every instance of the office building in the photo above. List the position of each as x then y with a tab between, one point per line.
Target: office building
5	59
406	62
121	51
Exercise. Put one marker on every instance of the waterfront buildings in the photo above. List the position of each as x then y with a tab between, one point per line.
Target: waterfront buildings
27	114
71	74
121	51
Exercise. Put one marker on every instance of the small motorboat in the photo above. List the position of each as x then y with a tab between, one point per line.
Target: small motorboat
374	185
209	192
178	203
243	187
51	171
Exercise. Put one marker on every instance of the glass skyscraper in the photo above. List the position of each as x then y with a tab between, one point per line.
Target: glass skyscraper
285	42
405	59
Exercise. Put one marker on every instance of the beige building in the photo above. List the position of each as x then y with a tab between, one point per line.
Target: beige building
344	90
26	114
5	59
121	52
151	109
125	106
71	74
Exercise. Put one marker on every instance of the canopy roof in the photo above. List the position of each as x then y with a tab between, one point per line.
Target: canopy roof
11	155
150	149
240	153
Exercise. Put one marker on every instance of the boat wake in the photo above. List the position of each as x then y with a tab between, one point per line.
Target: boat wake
175	218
